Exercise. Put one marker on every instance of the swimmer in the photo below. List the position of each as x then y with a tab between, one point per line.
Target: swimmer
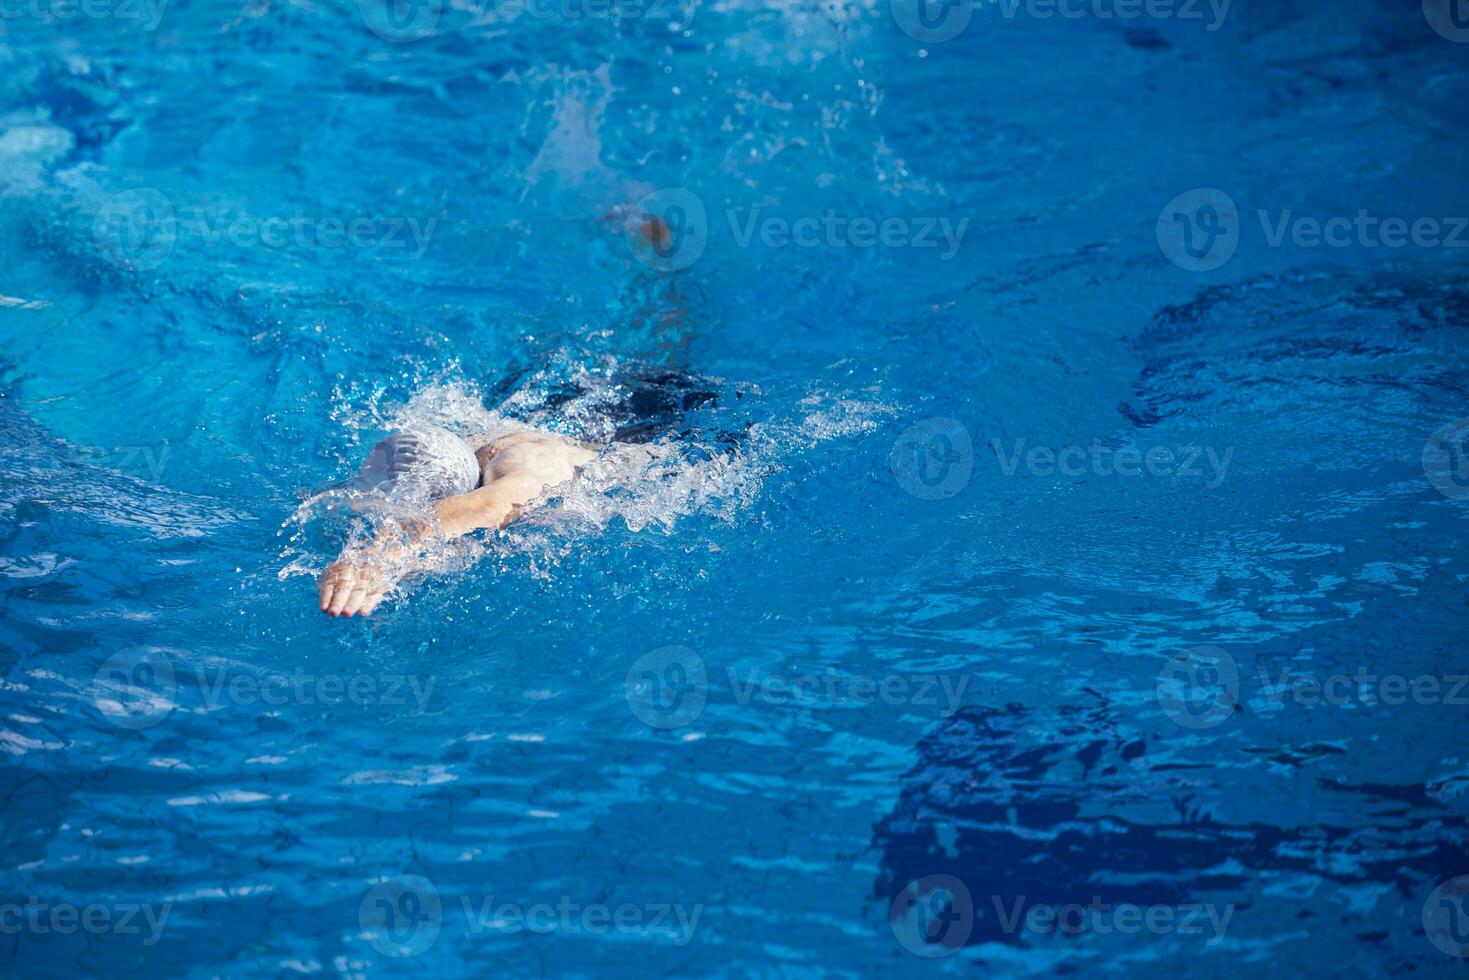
486	488
429	471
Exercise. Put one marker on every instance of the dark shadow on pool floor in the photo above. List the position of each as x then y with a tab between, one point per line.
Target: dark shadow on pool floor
1061	810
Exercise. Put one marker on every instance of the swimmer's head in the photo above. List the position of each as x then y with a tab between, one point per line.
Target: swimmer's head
419	464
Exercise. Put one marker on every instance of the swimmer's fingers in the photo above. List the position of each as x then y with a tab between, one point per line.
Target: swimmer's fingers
356	599
349	589
372	602
340	597
366	596
337	586
332	583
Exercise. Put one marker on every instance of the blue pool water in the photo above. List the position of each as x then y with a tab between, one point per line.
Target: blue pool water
1069	542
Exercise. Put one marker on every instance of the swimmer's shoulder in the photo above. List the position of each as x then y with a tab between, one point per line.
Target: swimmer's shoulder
536	437
534	450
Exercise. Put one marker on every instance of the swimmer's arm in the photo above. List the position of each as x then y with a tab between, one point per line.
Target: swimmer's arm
360	579
515	475
493	505
358	582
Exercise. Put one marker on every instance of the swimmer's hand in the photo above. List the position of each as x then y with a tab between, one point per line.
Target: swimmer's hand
353	585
